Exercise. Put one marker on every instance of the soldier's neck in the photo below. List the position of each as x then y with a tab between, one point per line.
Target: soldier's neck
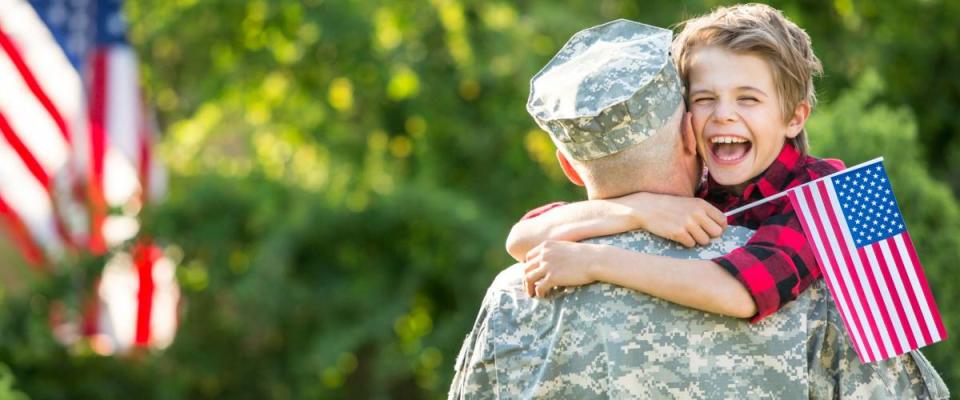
664	186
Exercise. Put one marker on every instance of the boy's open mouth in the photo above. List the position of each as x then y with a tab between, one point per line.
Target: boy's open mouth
729	148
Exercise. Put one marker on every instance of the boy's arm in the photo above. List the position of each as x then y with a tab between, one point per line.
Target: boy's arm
686	220
699	284
775	265
568	222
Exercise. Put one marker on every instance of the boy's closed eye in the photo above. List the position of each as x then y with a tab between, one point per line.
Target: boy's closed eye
703	100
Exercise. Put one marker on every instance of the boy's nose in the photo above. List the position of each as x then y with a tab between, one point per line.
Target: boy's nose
724	112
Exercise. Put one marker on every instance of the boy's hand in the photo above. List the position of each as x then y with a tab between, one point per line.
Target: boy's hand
553	263
685	220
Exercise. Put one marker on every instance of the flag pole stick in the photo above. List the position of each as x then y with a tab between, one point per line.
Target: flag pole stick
785	192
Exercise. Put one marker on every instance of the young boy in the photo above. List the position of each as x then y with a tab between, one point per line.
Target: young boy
749	79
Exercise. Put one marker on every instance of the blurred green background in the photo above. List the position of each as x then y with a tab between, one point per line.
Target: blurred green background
343	174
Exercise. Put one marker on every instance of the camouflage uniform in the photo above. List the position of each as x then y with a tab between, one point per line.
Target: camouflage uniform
605	341
609	88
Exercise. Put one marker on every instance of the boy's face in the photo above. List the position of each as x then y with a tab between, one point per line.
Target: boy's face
737	117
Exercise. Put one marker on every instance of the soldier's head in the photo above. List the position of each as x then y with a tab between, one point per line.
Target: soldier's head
611	100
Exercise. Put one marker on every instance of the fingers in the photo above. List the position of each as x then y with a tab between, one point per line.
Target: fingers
533	277
542	289
710	225
709	220
685	239
534	252
537	281
716	216
712	228
699	235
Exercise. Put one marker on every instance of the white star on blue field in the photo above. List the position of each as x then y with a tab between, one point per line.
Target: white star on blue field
868	204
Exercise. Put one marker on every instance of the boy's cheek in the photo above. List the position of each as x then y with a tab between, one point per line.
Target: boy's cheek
698	126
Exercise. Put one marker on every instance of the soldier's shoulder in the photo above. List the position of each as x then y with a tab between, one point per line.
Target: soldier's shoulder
509	278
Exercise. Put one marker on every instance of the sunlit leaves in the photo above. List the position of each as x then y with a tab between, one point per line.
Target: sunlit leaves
404	83
541	149
340	94
498	16
452	17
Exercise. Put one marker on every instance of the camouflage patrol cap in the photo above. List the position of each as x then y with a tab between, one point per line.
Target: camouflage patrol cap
610	87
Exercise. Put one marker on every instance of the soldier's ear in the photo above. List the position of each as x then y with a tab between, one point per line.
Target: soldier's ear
687	137
568	169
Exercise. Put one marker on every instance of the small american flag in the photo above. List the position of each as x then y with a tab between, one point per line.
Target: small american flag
852	220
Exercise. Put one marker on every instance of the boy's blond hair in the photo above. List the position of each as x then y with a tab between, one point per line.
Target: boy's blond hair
760	30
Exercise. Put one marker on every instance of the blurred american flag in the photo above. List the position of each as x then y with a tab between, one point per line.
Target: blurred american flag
76	139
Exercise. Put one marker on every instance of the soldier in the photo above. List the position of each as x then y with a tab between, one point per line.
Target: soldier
616	97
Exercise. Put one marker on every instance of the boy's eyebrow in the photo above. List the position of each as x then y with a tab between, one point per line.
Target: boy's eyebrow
696	92
751	88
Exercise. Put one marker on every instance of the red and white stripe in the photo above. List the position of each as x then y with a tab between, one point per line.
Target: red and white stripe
880	289
41	105
138	300
122	171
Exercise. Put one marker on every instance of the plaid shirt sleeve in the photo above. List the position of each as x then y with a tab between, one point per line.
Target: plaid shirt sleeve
776	264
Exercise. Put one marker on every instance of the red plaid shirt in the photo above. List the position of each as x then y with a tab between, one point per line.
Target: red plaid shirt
777	263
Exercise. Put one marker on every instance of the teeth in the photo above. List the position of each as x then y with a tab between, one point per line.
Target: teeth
727	139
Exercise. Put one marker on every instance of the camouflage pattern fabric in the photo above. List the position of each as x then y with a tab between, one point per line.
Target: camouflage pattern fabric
609	87
604	341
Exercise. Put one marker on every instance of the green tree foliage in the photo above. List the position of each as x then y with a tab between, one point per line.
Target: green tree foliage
7	391
344	173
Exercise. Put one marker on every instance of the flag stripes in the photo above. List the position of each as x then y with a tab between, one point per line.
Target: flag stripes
33	84
72	119
879	286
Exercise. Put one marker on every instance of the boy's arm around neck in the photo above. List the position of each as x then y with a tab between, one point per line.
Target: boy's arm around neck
698	284
685	220
571	222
